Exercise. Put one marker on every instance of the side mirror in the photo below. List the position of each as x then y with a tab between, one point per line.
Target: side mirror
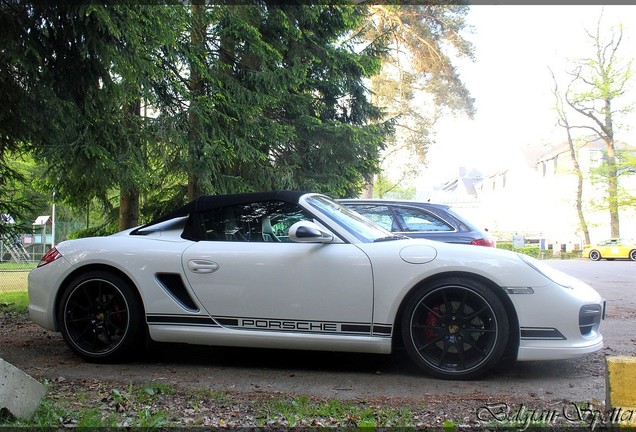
309	232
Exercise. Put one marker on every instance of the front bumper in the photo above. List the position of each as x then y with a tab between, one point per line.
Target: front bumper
559	323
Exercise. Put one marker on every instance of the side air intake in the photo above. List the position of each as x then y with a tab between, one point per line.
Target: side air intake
173	284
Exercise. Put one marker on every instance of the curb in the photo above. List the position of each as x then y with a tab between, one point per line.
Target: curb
621	390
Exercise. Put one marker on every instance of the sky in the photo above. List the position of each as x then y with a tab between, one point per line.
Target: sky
512	85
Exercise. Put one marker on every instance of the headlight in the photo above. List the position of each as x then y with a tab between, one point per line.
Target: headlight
554	275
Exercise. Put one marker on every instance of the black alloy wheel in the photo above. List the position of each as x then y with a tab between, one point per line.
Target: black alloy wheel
595	255
100	317
455	329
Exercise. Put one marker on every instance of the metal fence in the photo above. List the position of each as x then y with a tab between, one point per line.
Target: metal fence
13	276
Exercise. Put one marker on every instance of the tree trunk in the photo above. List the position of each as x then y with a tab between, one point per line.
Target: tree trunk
612	173
197	90
129	193
612	189
368	187
128	208
579	188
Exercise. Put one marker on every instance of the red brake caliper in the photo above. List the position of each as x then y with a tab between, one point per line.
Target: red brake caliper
431	321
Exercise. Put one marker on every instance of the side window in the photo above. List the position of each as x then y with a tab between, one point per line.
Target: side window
420	220
267	221
377	213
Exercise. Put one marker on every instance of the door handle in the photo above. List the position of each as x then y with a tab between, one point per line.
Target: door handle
202	266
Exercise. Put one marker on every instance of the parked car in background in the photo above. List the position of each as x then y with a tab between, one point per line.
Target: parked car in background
421	220
611	249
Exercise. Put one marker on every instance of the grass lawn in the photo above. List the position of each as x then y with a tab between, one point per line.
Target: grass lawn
13	276
14	302
13	281
10	265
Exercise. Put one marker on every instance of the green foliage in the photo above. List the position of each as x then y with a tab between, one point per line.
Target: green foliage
535	252
294	413
130	407
14	302
155	105
625	168
281	102
383	187
418	82
94	231
596	92
47	414
531	250
449	426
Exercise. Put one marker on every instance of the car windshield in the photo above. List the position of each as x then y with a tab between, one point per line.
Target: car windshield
361	227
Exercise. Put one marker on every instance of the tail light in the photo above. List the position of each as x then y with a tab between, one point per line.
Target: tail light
484	242
49	257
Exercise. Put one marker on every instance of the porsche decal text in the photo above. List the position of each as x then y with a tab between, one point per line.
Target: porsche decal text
288	325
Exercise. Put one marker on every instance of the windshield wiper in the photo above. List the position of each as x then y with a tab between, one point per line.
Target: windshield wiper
391	237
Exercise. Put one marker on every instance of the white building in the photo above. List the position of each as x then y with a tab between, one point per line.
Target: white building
535	196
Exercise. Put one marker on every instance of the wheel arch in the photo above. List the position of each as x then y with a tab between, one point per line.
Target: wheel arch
512	346
87	269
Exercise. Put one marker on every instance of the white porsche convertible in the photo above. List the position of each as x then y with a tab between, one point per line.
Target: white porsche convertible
299	271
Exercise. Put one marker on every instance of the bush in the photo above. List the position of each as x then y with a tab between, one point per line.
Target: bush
532	250
96	231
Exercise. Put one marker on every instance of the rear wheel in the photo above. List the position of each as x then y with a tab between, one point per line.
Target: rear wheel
632	255
595	255
455	329
100	317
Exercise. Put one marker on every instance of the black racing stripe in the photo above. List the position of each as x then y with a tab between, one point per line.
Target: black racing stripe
181	320
541	334
228	321
382	329
355	328
234	322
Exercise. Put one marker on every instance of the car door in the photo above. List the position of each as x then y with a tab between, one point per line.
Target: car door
623	248
609	248
249	275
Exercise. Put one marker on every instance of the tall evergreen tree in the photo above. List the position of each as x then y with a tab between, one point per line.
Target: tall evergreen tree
84	71
334	131
243	97
276	100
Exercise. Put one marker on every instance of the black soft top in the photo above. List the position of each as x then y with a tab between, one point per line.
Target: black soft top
208	202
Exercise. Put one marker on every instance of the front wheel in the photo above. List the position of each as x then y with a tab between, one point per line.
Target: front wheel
632	255
100	317
456	328
595	255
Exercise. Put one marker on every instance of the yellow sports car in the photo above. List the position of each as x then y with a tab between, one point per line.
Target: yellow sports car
611	249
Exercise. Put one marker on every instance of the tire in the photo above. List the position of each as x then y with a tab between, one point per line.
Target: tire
595	255
632	255
456	328
100	317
